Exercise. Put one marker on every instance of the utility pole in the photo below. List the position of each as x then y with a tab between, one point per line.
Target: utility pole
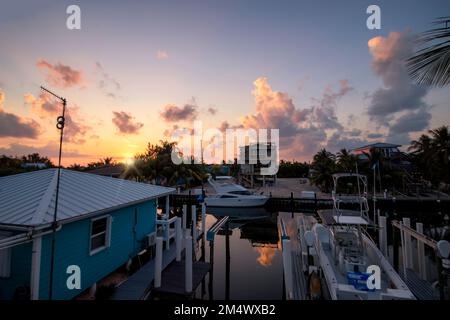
60	126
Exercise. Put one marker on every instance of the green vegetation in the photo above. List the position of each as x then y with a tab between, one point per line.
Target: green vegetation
155	165
431	153
14	165
431	64
293	169
428	165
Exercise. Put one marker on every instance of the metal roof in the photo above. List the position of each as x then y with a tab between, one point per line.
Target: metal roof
28	199
379	145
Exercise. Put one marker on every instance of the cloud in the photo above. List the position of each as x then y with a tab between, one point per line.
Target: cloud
162	55
302	131
124	122
12	125
411	122
212	111
354	133
107	84
399	99
48	150
61	75
374	135
45	106
173	113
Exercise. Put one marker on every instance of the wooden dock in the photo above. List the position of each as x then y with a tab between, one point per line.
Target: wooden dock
138	285
299	281
173	278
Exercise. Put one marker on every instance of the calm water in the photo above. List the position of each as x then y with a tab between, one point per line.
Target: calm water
255	265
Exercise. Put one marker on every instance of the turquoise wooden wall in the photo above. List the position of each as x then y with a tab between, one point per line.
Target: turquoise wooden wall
72	248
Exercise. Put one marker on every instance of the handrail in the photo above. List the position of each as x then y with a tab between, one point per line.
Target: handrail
215	228
166	221
421	237
284	233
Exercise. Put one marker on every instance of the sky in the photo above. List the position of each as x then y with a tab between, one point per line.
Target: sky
137	70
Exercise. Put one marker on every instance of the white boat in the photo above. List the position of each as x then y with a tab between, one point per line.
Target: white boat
230	194
346	254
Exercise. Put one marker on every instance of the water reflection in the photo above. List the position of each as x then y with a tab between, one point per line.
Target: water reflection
266	255
247	260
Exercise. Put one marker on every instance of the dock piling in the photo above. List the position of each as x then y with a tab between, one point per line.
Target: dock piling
188	264
383	235
194	222
421	253
158	262
178	238
408	244
184	216
204	221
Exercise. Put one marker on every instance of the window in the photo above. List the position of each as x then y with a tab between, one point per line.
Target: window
100	234
243	192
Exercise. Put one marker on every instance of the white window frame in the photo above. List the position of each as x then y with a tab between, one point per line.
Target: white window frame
107	235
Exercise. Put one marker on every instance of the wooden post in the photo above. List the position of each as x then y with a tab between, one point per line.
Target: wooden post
395	248
204	221
421	253
287	266
227	261
184	217
383	235
194	223
211	272
167	207
408	244
158	262
178	238
188	264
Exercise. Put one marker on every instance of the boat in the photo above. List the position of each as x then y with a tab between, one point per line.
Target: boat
232	195
351	266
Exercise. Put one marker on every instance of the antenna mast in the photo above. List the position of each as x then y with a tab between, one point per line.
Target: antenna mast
60	125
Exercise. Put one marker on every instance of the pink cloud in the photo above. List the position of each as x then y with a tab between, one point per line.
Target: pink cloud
125	123
61	75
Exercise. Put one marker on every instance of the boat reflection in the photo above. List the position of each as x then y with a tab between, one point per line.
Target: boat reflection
246	251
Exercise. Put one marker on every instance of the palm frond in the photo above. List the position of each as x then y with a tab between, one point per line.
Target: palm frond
431	65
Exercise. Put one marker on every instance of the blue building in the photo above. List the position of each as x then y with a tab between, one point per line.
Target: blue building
102	222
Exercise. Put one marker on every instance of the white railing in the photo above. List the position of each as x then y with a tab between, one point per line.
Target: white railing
167	226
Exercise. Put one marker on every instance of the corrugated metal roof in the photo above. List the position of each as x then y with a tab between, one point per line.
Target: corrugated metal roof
29	198
379	145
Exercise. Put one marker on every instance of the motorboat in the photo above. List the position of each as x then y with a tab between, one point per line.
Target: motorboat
351	266
230	194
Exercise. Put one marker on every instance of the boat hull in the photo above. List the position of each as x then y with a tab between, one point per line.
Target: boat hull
235	202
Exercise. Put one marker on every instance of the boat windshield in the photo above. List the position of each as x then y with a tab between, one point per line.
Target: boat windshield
241	192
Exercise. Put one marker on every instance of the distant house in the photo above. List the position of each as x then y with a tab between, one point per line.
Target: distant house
250	165
102	223
390	152
34	165
113	170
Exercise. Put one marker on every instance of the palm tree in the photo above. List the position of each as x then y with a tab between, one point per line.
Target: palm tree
324	165
431	64
441	147
346	161
431	154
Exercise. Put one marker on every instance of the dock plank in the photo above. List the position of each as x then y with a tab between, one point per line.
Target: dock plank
138	284
173	277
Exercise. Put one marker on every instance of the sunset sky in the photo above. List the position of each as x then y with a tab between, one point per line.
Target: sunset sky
138	69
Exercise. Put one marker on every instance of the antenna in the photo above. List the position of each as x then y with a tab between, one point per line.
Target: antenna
60	125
